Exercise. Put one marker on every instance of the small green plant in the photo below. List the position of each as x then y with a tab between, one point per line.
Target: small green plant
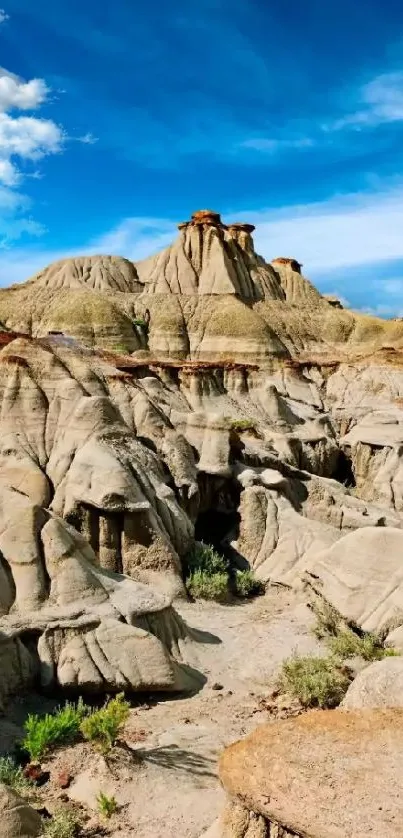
315	682
204	557
343	641
104	726
348	644
107	805
139	321
11	774
63	824
45	733
203	585
328	621
240	425
121	348
246	584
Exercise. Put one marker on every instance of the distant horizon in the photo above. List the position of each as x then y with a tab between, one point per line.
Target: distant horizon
118	123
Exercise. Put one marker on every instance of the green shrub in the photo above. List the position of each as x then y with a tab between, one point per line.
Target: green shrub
11	774
45	733
203	585
121	348
205	558
347	644
107	805
240	425
63	824
139	321
315	682
104	726
328	621
246	584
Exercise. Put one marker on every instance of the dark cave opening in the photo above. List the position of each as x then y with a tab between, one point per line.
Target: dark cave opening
344	472
218	520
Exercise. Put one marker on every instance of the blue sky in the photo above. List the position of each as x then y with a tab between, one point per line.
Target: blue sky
118	120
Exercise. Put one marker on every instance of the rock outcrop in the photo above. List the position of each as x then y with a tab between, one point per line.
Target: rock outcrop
326	774
139	399
18	819
378	685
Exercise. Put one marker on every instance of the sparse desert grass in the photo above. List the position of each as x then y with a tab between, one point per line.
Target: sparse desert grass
315	682
202	585
103	727
11	774
45	733
107	805
208	576
204	557
343	641
348	644
63	824
246	584
240	425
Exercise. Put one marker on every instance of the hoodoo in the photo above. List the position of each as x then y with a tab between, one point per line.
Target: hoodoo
199	424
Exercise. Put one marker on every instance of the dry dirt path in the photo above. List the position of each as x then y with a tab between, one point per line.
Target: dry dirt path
173	789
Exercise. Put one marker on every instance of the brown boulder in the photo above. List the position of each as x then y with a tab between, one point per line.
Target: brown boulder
325	774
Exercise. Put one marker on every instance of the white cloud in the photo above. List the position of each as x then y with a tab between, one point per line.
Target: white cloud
3	16
9	174
17	93
136	238
384	310
328	238
379	101
88	139
344	231
272	145
25	138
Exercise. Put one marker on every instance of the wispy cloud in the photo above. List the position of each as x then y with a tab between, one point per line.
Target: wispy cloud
88	139
379	101
343	231
328	237
273	145
26	138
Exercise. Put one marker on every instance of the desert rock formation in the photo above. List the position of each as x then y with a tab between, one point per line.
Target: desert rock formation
327	774
201	393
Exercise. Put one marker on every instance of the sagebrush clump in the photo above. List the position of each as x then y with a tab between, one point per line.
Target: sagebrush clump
107	805
206	573
103	727
343	641
246	584
45	733
12	775
348	644
209	576
201	585
315	682
63	824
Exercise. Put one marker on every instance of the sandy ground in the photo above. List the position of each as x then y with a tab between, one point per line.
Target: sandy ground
169	786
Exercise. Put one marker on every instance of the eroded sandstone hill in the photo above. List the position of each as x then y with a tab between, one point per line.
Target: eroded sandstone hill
208	296
201	393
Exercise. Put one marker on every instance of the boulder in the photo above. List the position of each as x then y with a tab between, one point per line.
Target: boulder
18	819
325	774
361	576
378	685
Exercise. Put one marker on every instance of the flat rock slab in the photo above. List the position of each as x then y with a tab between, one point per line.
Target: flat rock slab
325	774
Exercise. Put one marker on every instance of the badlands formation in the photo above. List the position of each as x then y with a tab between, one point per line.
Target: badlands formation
204	394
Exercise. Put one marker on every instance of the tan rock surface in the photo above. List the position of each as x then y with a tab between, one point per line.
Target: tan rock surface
325	774
378	685
18	819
